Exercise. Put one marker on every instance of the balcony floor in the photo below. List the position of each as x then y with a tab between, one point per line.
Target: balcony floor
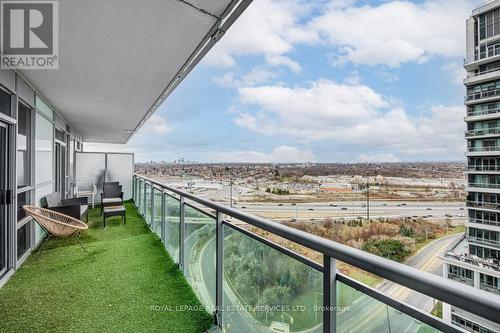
111	288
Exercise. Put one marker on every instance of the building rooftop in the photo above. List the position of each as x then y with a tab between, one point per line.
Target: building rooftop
459	251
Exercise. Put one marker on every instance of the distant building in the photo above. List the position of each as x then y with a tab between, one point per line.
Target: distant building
336	187
474	260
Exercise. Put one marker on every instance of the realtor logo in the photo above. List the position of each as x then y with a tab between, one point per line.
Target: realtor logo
29	35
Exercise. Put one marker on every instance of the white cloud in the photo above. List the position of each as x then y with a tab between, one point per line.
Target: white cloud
351	114
281	154
395	32
156	125
376	158
268	28
257	75
279	60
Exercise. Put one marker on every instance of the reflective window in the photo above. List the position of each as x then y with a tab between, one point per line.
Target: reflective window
4	103
23	146
44	141
23	240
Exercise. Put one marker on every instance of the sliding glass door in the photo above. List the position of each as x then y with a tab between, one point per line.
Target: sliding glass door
5	196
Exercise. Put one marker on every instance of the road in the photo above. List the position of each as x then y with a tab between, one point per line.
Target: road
354	209
427	259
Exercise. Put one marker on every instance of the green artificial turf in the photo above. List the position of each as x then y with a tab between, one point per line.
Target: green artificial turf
111	288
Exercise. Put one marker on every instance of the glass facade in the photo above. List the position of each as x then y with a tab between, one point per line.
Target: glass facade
172	227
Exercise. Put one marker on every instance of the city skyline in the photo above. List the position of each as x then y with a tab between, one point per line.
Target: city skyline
318	87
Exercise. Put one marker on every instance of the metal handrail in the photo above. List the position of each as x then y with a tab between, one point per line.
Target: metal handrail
485	131
483	167
482	94
473	113
483	221
484	185
479	149
467	298
481	56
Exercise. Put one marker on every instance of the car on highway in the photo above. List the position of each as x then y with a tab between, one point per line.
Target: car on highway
332	205
448	215
311	209
343	208
429	208
280	204
243	207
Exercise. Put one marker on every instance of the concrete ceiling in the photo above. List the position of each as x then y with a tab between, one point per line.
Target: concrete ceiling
116	57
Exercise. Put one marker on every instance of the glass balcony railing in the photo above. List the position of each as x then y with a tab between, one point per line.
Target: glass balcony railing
461	279
472	113
252	284
484	221
482	94
494	242
484	185
490	288
484	131
480	149
483	167
482	55
484	204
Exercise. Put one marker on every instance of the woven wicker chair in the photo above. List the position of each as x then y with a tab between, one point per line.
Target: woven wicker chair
56	224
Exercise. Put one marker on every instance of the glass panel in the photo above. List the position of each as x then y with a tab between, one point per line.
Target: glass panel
4	103
23	240
90	171
172	227
40	192
23	146
156	226
43	150
266	290
22	199
140	197
200	255
363	313
44	108
121	169
148	204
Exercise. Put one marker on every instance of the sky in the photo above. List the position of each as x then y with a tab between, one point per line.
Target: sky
321	81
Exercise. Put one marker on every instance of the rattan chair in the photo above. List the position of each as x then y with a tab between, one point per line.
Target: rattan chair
56	225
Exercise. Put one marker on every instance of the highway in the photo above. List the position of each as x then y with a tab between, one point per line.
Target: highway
354	209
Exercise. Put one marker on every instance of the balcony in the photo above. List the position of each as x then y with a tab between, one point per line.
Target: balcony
484	186
118	285
483	132
483	168
482	96
481	58
225	253
483	204
483	241
483	149
486	222
461	279
490	288
478	113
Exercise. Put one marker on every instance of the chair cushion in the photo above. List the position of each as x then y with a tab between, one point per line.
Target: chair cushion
111	200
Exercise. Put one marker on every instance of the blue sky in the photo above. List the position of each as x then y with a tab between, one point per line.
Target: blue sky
340	81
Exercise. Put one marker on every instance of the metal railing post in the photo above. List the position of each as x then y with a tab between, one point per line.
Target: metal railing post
182	232
144	207
152	217
162	214
329	295
219	266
